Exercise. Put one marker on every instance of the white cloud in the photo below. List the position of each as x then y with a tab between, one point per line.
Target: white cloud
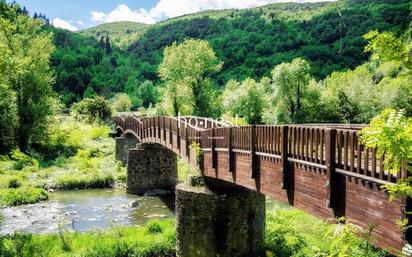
174	8
79	22
59	23
98	16
124	13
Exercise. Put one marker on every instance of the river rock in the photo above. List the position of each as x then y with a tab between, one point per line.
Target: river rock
134	204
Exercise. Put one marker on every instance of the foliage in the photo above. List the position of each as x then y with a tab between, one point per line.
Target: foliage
290	85
251	42
187	68
121	103
387	47
122	33
61	141
95	109
153	227
26	77
22	195
293	233
391	133
246	100
21	160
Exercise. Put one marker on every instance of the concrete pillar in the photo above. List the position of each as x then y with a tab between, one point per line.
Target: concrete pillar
123	145
230	223
150	166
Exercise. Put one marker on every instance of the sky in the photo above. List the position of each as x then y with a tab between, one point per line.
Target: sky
80	14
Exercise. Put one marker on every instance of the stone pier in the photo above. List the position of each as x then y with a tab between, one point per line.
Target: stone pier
123	145
150	166
219	223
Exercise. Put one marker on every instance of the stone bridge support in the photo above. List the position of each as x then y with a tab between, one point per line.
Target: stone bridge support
219	222
123	144
150	166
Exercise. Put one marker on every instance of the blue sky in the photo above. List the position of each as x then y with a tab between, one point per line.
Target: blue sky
79	14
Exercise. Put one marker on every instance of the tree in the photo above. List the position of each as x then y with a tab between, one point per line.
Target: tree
290	83
386	47
148	93
25	49
187	69
96	109
107	44
246	100
121	103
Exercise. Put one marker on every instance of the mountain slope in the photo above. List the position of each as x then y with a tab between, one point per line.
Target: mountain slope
251	42
121	33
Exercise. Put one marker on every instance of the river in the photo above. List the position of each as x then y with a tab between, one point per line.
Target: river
82	210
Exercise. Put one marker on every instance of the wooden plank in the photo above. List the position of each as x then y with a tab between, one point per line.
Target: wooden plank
212	148
284	156
229	149
330	142
253	159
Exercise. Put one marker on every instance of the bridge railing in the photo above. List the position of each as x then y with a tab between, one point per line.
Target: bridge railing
332	146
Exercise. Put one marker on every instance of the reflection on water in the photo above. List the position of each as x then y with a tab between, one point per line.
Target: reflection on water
85	209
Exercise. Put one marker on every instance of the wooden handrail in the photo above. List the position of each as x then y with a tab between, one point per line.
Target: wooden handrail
336	146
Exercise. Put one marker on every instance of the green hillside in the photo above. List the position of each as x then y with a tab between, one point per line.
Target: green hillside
121	33
251	42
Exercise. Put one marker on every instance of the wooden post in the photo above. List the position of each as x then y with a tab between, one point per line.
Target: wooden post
284	156
170	133
187	150
253	162
330	143
212	148
159	131
164	129
229	149
178	135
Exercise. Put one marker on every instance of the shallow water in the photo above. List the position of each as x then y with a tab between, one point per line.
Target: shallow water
83	210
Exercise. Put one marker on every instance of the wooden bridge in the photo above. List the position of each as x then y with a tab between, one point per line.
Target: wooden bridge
322	169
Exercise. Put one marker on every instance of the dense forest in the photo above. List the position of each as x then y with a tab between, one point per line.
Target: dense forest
249	42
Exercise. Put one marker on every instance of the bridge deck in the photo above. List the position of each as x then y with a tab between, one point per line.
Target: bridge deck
322	169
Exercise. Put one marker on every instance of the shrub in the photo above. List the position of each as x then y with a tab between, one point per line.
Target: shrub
121	103
14	182
153	227
22	195
21	160
99	132
95	109
61	142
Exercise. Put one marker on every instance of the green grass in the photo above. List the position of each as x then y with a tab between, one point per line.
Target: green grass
115	242
22	195
294	233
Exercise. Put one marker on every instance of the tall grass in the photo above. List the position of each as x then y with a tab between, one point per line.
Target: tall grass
115	242
23	195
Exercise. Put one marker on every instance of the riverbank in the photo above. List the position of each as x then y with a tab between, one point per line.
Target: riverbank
289	233
76	156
